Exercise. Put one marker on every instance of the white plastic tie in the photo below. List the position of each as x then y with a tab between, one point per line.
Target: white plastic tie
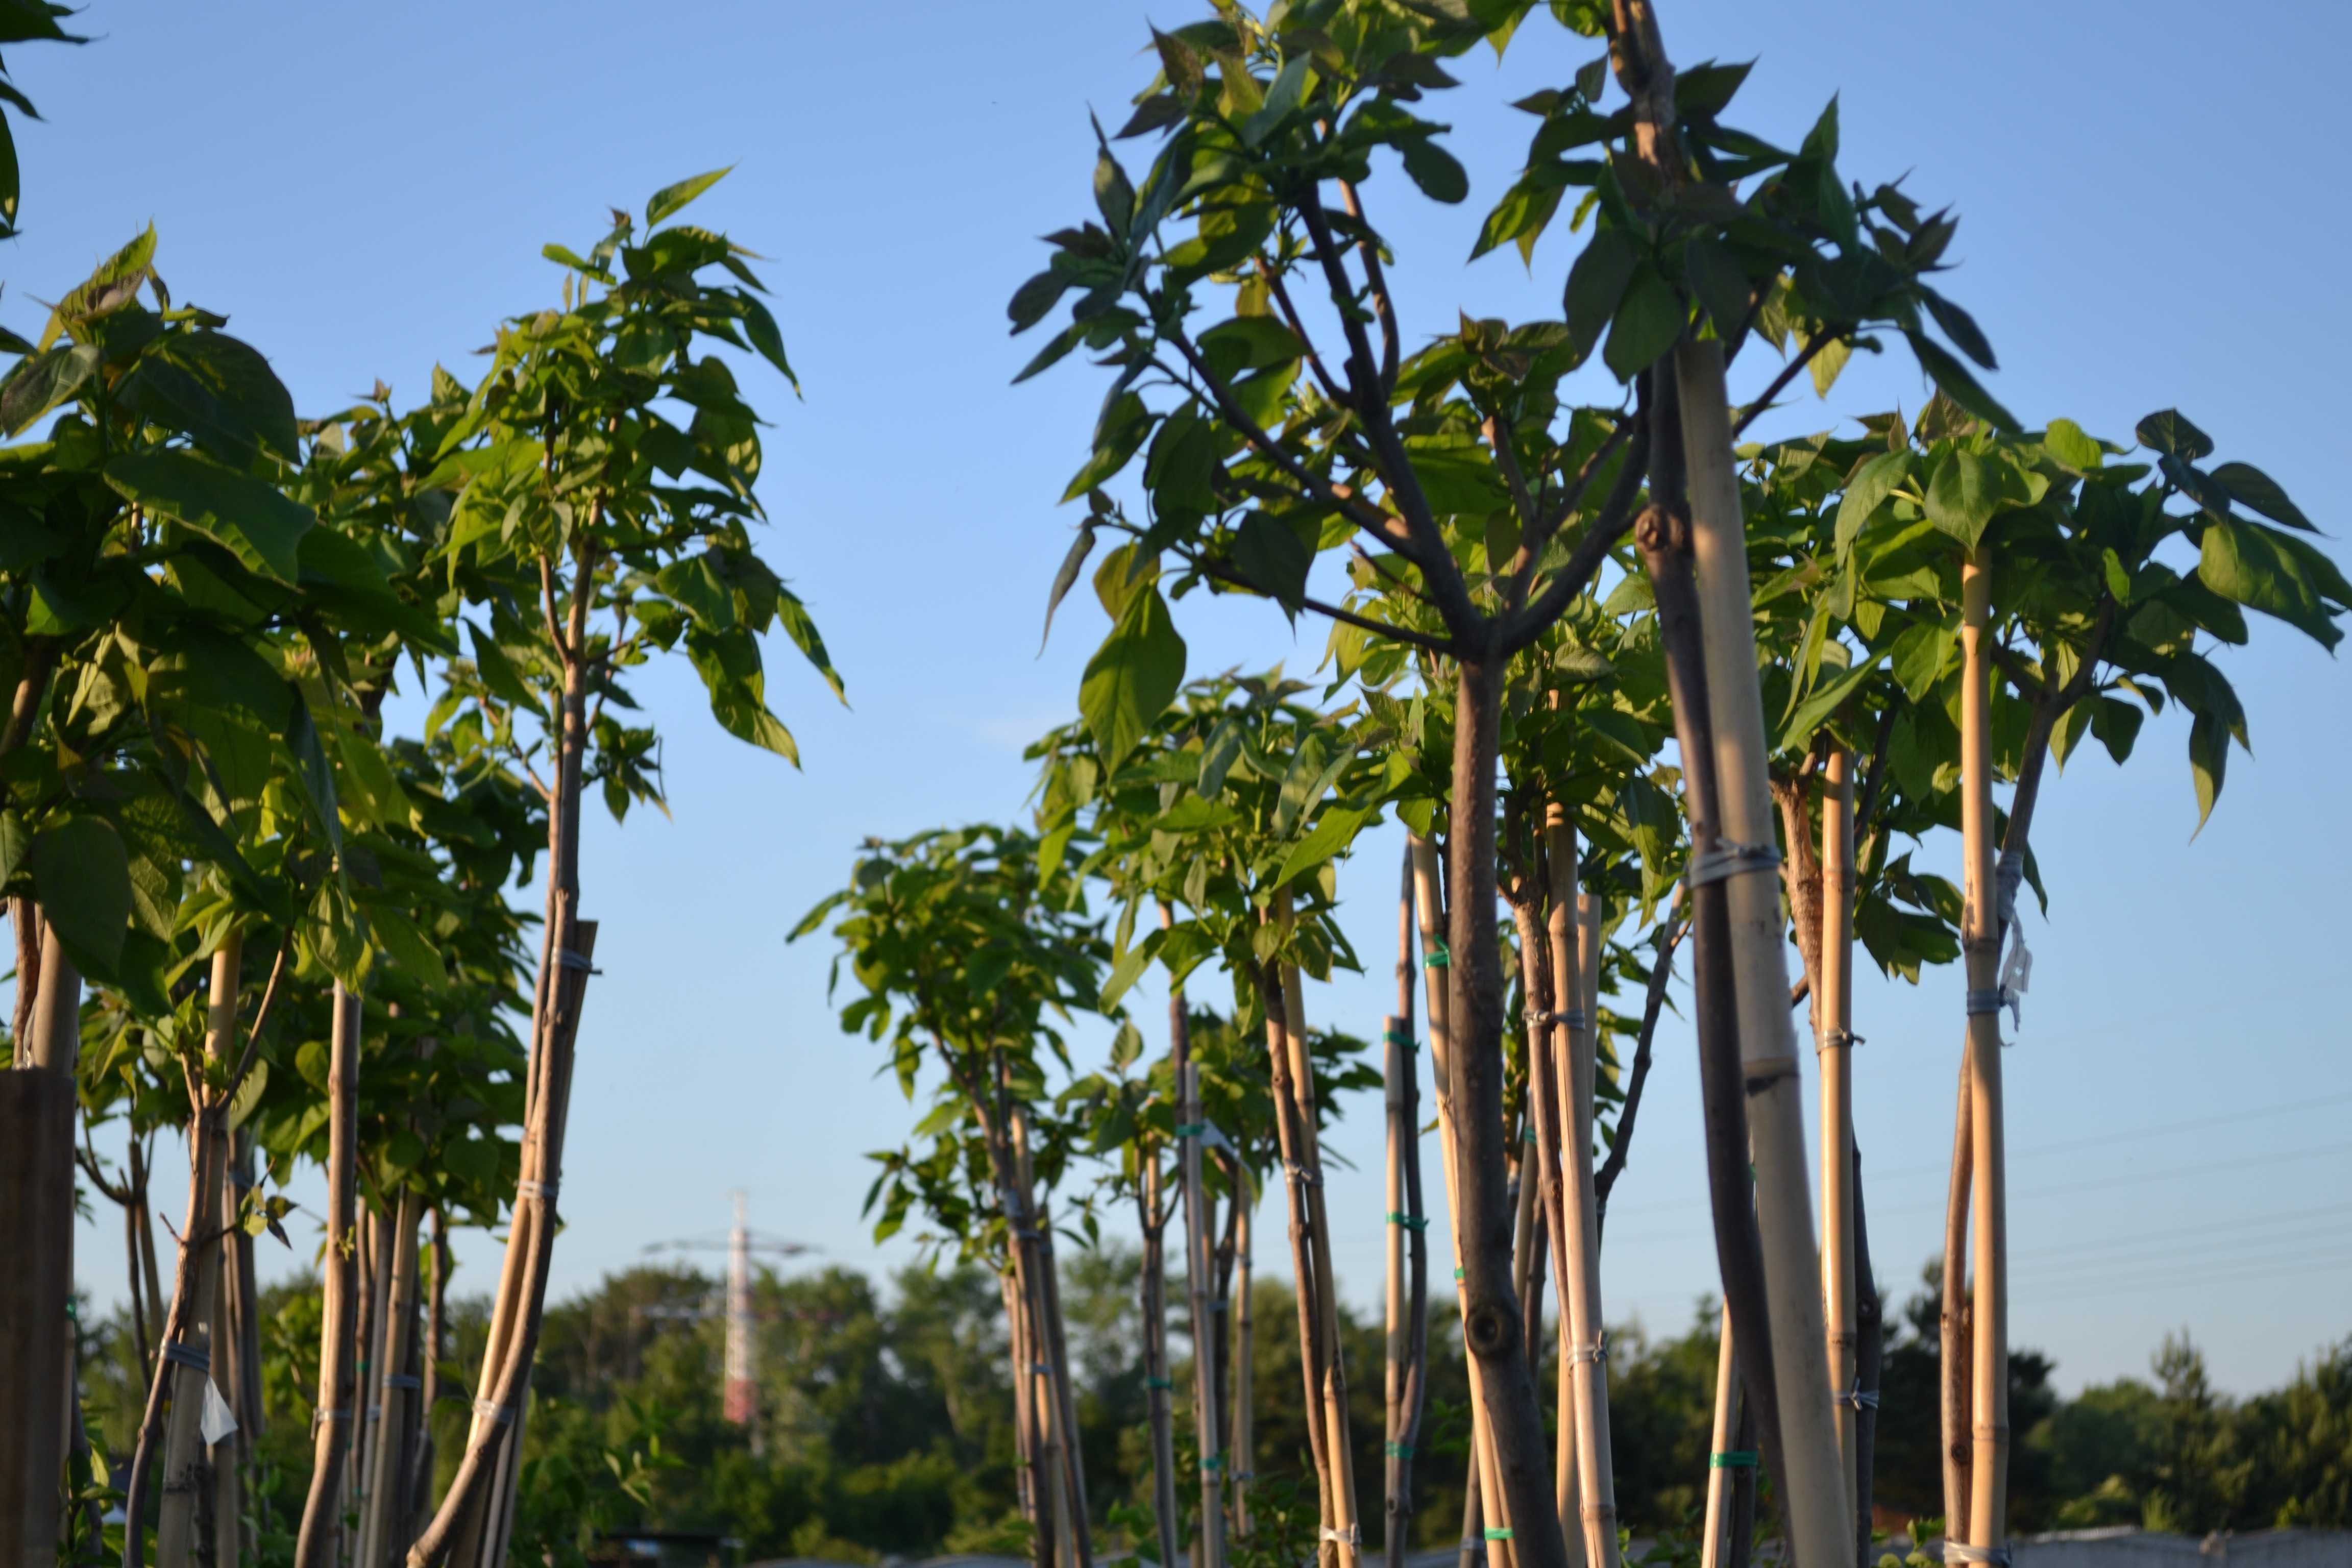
1731	858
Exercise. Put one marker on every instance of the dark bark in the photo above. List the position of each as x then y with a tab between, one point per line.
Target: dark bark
1870	1360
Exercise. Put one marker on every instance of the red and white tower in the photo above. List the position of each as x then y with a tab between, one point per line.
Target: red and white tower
741	1395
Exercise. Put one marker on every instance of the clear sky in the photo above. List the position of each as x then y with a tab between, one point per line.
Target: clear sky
2144	190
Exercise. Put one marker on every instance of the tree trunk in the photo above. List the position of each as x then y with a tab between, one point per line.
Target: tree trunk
1241	1326
1483	1507
1987	1528
1869	1360
1032	1482
231	1307
1663	537
36	1224
1298	1165
1408	1247
1814	1494
1550	987
397	1382
1952	1324
1157	1385
1833	1043
317	1545
1722	1459
419	1505
185	1469
1199	1287
1493	1328
464	1519
1348	1533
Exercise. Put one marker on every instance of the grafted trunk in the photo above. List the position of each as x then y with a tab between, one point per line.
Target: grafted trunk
1485	1509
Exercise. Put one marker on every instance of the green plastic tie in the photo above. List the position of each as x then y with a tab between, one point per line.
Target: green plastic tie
1495	1534
1192	1129
1398	1450
1410	1221
1736	1460
1158	1383
1457	1274
1437	960
1407	1041
1529	1134
1213	1461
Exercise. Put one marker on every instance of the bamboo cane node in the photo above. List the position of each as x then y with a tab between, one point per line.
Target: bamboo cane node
1990	1429
1763	1074
1599	1510
1731	858
1961	1551
189	1356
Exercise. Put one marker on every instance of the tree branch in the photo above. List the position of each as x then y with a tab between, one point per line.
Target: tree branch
1616	518
1653	1003
1281	292
1376	284
1228	575
1787	374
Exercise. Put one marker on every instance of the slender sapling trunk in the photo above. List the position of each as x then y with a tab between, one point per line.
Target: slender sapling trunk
316	1544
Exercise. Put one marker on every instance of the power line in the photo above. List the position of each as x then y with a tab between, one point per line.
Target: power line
2178	1278
2197	1125
2141	1178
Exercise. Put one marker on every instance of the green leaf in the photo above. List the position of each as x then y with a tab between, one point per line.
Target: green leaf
2066	441
1595	284
1961	387
1919	655
2117	724
1064	579
1332	832
1118	434
1960	327
1719	282
2209	760
729	663
81	875
1132	678
1269	552
2249	486
255	521
1649	319
671	199
14	842
1867	491
696	585
406	945
759	329
36	386
1434	170
1818	708
1963	493
2248	564
2166	431
1114	195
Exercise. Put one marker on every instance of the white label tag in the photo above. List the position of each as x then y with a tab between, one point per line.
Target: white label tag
218	1421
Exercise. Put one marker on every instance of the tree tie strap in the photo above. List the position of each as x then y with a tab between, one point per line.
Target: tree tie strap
1728	858
402	1380
577	962
1410	1221
1839	1038
1400	1037
488	1410
543	1190
1859	1398
1302	1175
1158	1383
1597	1352
189	1356
1351	1536
1437	957
1190	1129
1215	1461
1457	1275
321	1418
1493	1534
1397	1450
1961	1551
1732	1459
1763	1074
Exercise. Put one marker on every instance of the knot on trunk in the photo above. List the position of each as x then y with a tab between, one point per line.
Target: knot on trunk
1662	529
1490	1330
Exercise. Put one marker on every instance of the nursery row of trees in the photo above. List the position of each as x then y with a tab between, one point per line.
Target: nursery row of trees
1629	683
296	705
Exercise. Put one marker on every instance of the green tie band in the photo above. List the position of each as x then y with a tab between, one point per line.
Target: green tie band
1502	1534
1736	1460
1410	1221
1438	959
1398	1450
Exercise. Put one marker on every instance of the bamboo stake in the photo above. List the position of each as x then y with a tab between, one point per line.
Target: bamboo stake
1298	1172
1408	1247
1814	1494
375	1280
1988	1530
1201	1294
395	1423
1348	1533
1833	1012
1486	1501
1720	1458
1026	1476
420	1472
1580	1282
230	1307
1869	1363
1157	1385
1540	967
184	1449
1243	1319
314	1545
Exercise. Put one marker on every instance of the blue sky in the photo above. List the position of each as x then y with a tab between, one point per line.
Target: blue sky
365	190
